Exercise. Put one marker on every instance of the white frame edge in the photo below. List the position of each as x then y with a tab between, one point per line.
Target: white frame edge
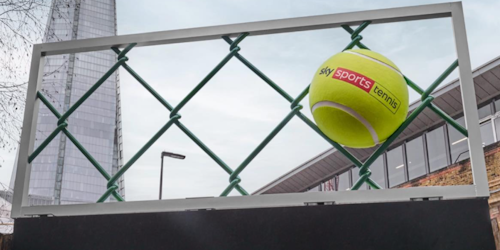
21	208
255	201
21	184
478	164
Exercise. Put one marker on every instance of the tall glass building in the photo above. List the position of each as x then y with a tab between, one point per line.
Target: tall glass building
61	174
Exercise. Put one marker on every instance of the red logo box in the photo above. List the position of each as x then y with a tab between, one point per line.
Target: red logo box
354	78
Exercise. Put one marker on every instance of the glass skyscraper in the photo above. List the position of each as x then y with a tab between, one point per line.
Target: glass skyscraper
61	174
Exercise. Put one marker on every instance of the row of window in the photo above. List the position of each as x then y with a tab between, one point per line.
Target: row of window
102	54
431	151
85	32
97	18
98	7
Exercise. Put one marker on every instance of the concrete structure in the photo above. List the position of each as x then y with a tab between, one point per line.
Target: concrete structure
61	174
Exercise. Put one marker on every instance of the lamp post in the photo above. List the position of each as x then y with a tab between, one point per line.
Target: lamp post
171	155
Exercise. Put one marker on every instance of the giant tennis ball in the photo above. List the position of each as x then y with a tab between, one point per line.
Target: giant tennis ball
358	98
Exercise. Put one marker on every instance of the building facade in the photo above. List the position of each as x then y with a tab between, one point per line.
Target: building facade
428	153
61	174
426	146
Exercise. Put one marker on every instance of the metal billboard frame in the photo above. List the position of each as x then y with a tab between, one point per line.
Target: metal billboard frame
21	208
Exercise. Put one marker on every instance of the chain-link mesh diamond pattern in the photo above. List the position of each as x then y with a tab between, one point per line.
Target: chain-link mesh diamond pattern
234	179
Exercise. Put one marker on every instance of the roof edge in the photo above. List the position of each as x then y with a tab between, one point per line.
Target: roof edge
445	88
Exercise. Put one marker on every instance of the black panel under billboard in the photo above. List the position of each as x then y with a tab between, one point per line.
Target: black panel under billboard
418	225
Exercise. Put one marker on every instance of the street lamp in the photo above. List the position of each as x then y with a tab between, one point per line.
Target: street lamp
171	155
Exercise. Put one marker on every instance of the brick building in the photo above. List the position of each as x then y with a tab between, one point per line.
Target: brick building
428	153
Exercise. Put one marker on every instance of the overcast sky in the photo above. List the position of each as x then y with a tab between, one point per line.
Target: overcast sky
236	110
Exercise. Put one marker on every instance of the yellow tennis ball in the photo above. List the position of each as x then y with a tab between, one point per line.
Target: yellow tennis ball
358	98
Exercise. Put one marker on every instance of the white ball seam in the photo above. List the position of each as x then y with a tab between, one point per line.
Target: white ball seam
350	111
375	60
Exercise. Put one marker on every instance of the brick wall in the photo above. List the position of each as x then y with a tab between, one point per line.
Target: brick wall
461	174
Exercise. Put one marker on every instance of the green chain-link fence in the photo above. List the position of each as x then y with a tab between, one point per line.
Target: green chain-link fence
234	179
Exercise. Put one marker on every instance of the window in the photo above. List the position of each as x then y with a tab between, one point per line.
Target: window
487	133
377	169
497	105
436	149
314	189
343	182
329	185
355	177
395	166
497	127
484	111
458	143
415	158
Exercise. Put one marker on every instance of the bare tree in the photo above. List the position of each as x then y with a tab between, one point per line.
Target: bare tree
22	23
6	223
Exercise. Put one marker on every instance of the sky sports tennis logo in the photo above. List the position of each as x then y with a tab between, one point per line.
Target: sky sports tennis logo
354	78
371	87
